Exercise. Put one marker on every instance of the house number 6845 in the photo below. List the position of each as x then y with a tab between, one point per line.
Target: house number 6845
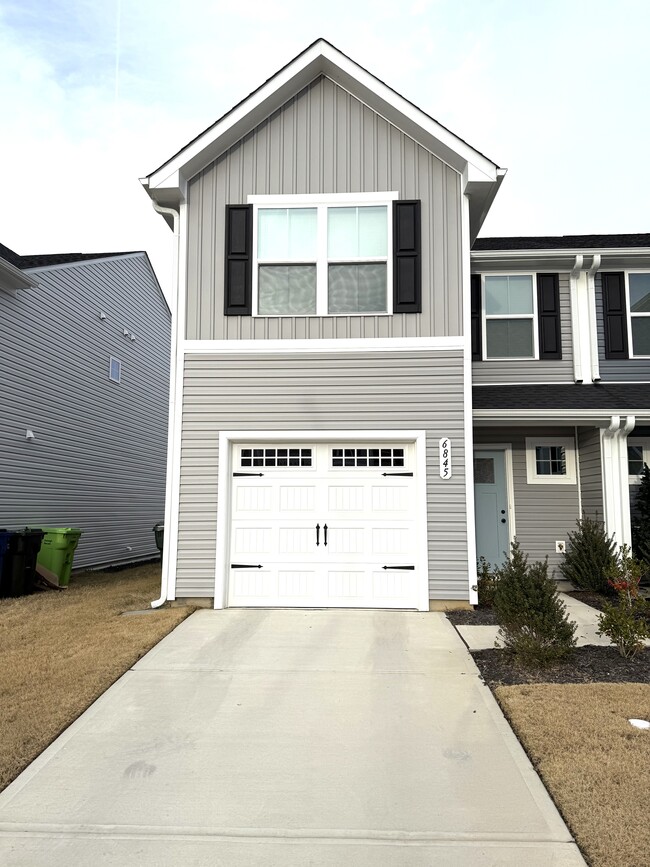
445	457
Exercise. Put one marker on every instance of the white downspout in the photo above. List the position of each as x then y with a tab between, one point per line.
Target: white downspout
593	332
574	279
611	500
166	565
624	485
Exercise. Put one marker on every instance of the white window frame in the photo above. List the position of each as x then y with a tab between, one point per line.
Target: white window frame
630	341
110	369
568	444
644	442
533	316
322	203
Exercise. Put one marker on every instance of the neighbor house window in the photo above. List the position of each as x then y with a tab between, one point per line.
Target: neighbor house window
550	460
638	454
114	370
509	316
322	255
639	292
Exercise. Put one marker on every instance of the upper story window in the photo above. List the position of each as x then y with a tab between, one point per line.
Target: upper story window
509	308
317	256
114	369
639	307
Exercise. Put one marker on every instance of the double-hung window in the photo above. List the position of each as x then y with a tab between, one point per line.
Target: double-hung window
509	306
317	255
639	306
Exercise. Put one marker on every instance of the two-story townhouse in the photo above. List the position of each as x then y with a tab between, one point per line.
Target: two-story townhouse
561	394
329	323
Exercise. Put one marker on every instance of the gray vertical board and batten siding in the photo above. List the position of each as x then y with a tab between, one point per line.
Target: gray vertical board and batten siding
98	458
543	513
534	371
591	473
325	141
616	370
411	390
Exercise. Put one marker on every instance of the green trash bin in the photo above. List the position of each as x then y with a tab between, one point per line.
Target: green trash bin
57	551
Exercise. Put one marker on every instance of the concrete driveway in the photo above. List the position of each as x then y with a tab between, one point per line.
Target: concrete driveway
275	737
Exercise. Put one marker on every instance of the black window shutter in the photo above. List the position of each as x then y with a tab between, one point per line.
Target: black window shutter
238	295
548	314
477	332
407	264
615	315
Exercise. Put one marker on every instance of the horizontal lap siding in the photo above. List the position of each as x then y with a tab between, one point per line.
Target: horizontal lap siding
377	391
531	372
543	513
591	479
615	370
98	458
325	141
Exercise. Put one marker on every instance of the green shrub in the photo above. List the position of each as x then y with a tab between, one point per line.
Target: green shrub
641	519
486	583
624	622
534	624
589	556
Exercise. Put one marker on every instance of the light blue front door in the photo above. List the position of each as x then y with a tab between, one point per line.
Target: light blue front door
491	505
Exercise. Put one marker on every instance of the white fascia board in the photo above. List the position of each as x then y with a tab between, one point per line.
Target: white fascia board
487	255
12	278
548	417
320	59
343	344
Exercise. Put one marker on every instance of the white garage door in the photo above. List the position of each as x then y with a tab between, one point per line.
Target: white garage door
324	525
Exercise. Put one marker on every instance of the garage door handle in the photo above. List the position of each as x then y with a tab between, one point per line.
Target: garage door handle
325	532
397	474
245	566
317	534
406	568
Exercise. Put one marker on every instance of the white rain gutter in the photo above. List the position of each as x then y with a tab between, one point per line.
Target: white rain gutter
616	489
575	294
171	445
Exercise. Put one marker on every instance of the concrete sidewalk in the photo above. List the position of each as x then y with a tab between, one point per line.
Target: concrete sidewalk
264	737
584	616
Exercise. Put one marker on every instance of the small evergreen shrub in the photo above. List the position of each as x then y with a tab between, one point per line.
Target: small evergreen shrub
486	583
641	519
589	556
534	624
625	622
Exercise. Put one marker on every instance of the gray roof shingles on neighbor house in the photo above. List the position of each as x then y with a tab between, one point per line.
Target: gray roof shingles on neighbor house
46	259
564	242
631	396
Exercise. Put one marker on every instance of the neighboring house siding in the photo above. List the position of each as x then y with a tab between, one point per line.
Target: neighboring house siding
325	141
543	513
98	458
531	372
374	390
614	370
591	479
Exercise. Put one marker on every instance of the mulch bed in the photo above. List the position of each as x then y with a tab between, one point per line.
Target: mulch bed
595	600
589	664
477	617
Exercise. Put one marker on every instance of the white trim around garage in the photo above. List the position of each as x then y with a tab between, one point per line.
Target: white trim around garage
224	482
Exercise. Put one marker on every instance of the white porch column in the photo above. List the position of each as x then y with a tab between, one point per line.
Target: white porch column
616	486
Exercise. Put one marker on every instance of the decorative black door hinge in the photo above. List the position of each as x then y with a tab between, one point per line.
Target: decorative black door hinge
397	474
245	566
405	568
247	474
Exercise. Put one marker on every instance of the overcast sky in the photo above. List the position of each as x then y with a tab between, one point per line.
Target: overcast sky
97	93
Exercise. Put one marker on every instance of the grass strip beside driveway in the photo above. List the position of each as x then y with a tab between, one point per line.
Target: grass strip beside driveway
60	650
593	762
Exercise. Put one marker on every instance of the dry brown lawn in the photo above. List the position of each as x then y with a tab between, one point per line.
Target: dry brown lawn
594	763
60	650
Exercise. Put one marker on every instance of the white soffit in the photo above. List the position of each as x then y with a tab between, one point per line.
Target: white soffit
321	58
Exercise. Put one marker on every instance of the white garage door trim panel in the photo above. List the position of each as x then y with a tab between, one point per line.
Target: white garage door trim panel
226	451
